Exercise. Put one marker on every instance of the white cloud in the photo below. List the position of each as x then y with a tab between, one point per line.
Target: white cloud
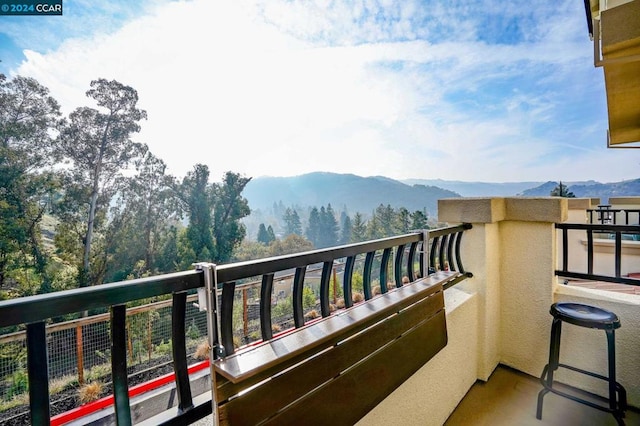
307	89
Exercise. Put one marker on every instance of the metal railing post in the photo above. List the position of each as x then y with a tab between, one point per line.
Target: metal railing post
426	255
213	327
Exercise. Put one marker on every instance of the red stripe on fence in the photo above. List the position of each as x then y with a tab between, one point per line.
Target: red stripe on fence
107	401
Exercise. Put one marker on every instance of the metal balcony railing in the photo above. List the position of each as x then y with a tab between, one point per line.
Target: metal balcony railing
616	233
411	255
606	215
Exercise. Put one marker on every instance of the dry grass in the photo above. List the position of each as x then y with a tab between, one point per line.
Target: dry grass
62	383
90	392
312	314
357	297
202	351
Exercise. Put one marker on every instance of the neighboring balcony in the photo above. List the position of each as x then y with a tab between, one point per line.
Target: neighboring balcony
504	272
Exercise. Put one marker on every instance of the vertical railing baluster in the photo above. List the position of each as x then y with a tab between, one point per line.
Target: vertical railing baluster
434	252
565	249
38	369
450	258
411	271
443	252
618	255
266	289
384	270
589	251
325	281
179	349
397	266
347	289
452	252
226	317
460	267
366	279
119	364
298	290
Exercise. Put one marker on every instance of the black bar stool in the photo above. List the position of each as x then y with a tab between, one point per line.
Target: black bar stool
591	317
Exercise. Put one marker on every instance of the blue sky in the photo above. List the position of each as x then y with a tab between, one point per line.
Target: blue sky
460	90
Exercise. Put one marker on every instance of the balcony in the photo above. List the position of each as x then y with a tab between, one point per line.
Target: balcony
496	309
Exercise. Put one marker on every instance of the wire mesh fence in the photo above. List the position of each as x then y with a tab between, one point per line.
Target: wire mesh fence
79	352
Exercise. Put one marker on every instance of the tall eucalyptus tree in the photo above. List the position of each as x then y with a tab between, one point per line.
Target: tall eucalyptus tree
97	144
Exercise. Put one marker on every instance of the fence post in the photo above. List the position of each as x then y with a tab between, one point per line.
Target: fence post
80	354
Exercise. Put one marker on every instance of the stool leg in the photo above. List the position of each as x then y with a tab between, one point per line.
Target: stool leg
554	355
617	398
554	360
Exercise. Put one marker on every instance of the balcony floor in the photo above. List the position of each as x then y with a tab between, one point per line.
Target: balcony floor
509	397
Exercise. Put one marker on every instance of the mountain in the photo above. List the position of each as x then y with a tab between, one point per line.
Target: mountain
358	194
477	189
589	189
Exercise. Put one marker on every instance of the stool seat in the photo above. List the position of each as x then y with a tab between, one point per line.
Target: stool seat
585	315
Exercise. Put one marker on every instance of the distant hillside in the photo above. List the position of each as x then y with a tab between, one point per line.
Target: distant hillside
590	189
477	189
358	194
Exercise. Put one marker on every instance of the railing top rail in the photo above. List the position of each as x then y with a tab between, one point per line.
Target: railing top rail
600	227
252	268
40	307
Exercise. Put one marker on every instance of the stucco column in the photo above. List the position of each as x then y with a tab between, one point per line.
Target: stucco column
511	251
481	255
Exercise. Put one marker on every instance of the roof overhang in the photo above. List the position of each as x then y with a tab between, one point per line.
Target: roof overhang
616	44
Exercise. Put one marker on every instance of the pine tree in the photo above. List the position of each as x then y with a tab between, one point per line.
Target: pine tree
562	191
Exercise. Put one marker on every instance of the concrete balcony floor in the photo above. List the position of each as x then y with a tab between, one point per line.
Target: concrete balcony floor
509	397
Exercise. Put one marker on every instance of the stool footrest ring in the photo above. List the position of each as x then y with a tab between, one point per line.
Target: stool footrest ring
620	403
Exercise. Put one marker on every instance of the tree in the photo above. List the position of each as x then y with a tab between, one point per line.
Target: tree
562	191
402	221
292	222
345	228
229	207
28	115
328	232
215	210
272	234
97	144
359	229
385	218
263	235
196	199
313	227
146	211
419	220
